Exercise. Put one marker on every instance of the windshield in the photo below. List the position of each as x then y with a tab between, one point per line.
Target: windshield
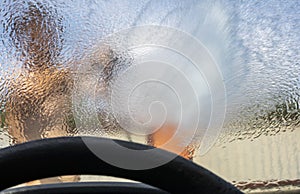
214	81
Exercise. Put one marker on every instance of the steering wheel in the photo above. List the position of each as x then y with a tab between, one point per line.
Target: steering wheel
70	156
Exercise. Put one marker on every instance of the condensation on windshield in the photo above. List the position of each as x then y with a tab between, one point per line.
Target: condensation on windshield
55	54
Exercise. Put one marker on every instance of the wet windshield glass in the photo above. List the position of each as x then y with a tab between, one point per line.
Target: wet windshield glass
214	81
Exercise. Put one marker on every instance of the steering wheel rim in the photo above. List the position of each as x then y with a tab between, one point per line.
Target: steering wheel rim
87	187
69	156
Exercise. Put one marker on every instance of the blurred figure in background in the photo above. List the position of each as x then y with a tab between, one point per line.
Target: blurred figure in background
39	102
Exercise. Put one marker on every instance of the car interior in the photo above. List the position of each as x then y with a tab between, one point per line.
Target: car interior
149	96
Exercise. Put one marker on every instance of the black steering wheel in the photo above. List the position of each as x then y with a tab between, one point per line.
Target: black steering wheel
70	156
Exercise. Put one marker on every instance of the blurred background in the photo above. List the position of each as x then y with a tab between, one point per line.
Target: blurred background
46	46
